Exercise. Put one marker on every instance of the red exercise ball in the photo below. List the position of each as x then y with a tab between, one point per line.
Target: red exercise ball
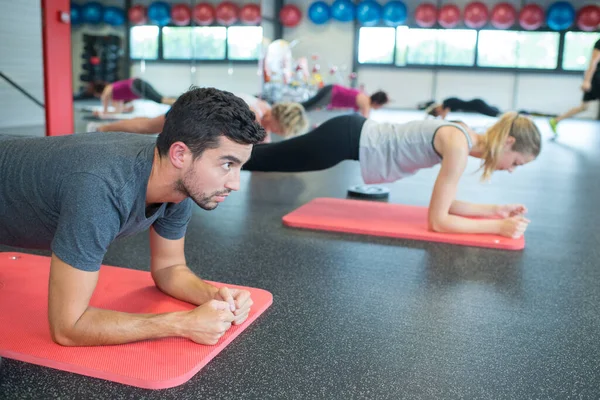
227	13
290	15
503	16
94	60
588	18
181	14
476	15
426	15
531	17
137	15
250	14
204	14
449	16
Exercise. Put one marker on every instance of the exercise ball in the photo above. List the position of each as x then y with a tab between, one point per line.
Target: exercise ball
137	15
290	15
91	13
343	10
319	12
226	13
588	18
476	15
394	13
560	16
159	13
449	16
75	14
531	17
181	15
113	16
368	13
503	16
250	14
204	14
426	15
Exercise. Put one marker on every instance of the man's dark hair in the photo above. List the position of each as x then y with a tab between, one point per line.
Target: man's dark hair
201	115
380	98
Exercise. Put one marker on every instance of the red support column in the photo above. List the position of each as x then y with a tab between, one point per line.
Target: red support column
58	86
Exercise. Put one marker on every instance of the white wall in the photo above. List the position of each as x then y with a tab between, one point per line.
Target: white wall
173	79
334	43
21	60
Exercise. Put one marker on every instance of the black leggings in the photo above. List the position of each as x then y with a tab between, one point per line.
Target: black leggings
145	90
475	105
321	99
332	142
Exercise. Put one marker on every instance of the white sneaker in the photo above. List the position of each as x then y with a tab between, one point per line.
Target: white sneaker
92	127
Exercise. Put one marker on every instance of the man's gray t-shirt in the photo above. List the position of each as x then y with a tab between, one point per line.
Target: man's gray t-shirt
75	194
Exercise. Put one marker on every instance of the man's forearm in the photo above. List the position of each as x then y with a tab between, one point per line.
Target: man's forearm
134	125
456	224
180	282
104	327
465	209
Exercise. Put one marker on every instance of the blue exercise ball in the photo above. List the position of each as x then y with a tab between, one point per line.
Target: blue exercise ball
394	13
343	10
560	16
114	16
368	13
159	13
75	14
91	13
319	12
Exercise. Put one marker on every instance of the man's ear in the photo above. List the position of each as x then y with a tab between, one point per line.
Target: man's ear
178	153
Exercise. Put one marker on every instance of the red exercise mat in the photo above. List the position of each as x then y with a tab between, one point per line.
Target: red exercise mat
151	364
385	219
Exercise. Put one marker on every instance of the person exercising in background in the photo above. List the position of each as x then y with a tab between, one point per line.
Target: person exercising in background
455	104
120	93
338	96
282	119
590	88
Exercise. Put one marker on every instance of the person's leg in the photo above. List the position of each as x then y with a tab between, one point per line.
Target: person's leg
333	141
320	99
481	107
147	91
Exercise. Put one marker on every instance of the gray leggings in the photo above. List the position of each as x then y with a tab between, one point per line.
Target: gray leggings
321	99
145	90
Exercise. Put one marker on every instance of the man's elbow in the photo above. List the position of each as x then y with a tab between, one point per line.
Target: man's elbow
437	224
62	336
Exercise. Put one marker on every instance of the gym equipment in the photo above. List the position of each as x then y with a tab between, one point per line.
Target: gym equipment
368	13
588	18
343	10
181	15
476	15
250	14
319	12
394	13
151	364
384	219
159	13
560	16
91	12
449	16
204	14
531	17
369	192
227	13
426	15
503	16
137	15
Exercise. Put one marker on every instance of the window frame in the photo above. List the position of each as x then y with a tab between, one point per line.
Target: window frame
162	60
474	67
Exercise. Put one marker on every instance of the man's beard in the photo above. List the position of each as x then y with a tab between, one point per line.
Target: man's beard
202	200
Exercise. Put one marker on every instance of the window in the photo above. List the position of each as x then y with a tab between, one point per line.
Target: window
422	46
144	42
456	47
244	42
376	45
538	50
196	42
497	49
578	49
513	49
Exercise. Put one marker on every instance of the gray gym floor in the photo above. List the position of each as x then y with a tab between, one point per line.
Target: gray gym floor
375	318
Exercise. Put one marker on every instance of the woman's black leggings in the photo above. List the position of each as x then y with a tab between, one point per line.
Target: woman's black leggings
321	99
146	90
333	141
475	105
